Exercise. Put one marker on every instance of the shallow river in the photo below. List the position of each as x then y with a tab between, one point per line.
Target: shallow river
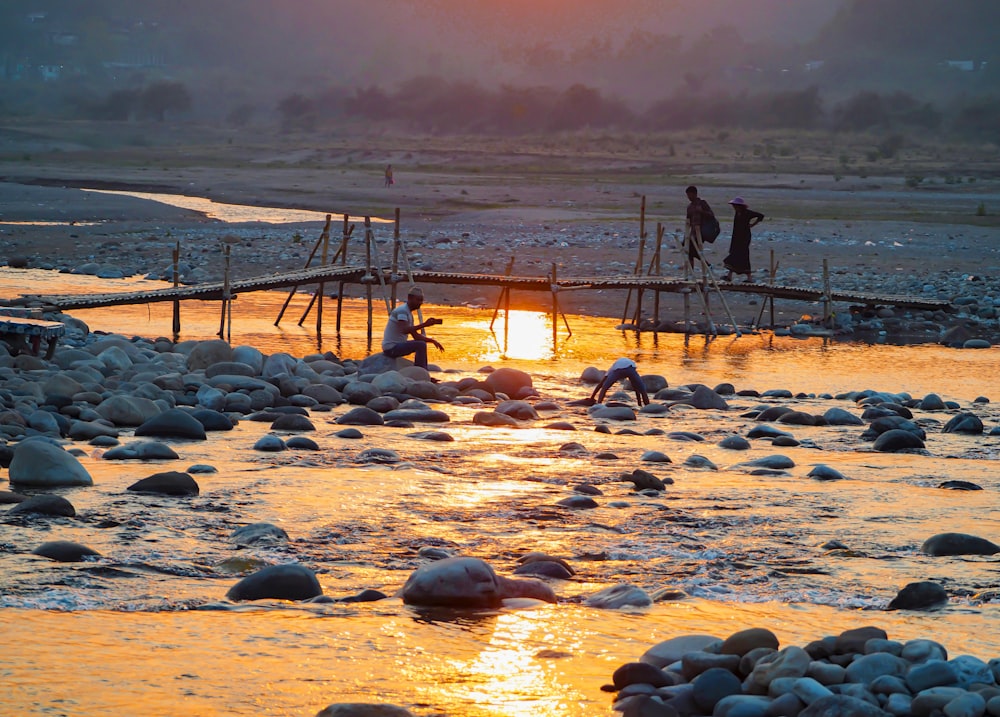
129	633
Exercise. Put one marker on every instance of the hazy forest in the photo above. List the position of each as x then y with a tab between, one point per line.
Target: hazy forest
508	67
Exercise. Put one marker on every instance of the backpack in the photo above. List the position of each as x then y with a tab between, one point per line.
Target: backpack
710	228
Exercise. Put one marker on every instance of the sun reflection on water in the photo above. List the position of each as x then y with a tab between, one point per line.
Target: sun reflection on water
520	335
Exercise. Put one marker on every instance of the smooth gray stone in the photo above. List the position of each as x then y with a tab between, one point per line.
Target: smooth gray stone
672	650
933	673
292	581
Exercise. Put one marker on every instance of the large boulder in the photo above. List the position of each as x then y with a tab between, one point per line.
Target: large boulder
467	583
38	462
944	544
127	410
166	483
173	423
292	581
206	353
508	381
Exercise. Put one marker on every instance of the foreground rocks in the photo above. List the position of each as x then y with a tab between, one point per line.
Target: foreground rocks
858	673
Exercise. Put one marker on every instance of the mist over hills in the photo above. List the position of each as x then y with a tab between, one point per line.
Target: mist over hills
250	56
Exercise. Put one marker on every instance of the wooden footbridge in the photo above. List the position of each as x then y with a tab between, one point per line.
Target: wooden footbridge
375	273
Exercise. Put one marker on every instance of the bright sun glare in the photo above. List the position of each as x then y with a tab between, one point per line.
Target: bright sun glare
527	336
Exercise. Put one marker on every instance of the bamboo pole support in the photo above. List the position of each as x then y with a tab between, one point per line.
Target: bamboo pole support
827	295
177	303
369	276
344	237
773	272
395	258
555	307
225	290
291	292
504	297
325	236
659	272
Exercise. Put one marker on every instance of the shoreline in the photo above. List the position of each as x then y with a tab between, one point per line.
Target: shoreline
891	257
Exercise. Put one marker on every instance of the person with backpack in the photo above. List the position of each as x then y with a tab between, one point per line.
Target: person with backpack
700	215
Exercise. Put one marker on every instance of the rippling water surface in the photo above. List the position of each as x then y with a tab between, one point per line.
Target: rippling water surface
125	634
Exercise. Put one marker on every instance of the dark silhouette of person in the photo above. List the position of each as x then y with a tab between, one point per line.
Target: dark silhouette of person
621	369
738	260
389	181
697	210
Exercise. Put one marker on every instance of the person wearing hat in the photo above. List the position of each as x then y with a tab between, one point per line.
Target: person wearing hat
402	337
744	219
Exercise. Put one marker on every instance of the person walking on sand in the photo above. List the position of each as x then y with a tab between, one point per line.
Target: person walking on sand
621	369
402	337
698	212
388	176
738	260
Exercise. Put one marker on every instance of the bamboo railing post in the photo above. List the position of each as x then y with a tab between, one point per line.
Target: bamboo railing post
659	272
344	237
827	295
555	307
291	292
225	289
504	297
322	286
395	257
369	276
771	279
177	303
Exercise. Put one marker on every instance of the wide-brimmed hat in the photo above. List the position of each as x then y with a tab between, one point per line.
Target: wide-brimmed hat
738	202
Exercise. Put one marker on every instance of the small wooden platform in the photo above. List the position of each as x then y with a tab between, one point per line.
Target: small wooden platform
22	332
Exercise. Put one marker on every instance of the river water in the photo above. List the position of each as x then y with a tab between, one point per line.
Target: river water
145	629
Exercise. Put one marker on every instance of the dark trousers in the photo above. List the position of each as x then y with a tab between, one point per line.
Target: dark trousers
417	348
633	377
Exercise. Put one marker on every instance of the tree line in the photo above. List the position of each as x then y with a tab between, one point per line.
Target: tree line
434	105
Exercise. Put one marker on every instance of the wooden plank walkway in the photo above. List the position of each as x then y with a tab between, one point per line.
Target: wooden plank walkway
360	275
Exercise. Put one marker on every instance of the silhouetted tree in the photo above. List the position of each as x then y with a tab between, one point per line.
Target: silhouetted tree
159	98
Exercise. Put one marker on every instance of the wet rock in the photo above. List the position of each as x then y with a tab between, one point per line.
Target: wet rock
266	533
38	462
509	381
270	444
166	483
363	709
964	423
924	595
146	450
172	423
946	544
824	472
735	443
64	551
44	504
619	596
361	416
897	440
292	581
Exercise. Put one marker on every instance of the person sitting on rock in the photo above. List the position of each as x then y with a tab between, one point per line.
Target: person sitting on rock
402	337
621	369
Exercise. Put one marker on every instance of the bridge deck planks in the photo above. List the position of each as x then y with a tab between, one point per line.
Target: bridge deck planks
359	275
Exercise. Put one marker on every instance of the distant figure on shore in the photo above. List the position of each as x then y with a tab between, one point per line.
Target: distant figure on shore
402	337
621	369
388	176
744	219
698	214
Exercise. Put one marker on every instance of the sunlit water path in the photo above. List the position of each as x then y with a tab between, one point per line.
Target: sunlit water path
744	548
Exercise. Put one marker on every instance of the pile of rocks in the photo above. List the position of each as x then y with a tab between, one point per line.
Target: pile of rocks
858	673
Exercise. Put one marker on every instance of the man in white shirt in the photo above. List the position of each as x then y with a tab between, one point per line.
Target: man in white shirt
402	337
621	369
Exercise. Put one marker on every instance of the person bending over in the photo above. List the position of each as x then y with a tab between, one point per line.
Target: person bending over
402	337
621	369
